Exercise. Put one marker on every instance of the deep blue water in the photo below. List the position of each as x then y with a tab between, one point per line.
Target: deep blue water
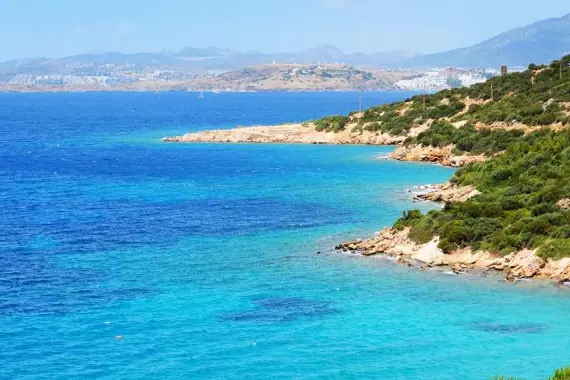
203	258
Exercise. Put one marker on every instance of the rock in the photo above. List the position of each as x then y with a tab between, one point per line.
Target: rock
289	134
404	262
447	192
525	264
518	265
442	155
564	203
558	270
429	253
389	241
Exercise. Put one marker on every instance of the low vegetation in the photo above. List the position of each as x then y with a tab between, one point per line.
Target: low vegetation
335	123
560	374
467	139
526	175
534	98
517	207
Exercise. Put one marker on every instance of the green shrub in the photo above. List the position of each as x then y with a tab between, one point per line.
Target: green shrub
420	235
446	246
554	249
335	123
561	374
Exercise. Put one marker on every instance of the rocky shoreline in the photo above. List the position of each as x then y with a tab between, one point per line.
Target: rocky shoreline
445	192
519	265
287	134
443	156
397	244
390	242
306	134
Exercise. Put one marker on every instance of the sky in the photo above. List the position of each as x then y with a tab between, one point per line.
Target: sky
56	28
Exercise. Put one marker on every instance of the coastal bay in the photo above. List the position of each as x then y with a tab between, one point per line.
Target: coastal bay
523	264
520	222
204	258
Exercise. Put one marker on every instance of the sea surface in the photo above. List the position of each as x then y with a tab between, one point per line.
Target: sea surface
122	257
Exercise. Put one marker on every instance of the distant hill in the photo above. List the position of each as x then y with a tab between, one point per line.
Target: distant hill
540	42
190	59
297	77
210	51
270	77
537	43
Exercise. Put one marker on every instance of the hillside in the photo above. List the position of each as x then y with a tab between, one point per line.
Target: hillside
508	206
273	77
540	42
523	205
291	77
190	60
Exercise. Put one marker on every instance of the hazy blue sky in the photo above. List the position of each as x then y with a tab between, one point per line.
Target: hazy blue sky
56	28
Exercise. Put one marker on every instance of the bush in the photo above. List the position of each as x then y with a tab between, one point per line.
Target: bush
561	374
420	235
554	249
521	181
562	232
334	124
446	246
407	219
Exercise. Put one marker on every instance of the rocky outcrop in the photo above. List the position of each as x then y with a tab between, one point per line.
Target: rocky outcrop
522	264
388	241
446	192
564	203
442	156
288	134
352	134
558	269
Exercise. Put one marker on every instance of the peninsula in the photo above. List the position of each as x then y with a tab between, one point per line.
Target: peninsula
507	208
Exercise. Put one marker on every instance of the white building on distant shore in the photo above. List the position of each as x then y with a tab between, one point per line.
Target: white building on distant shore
440	79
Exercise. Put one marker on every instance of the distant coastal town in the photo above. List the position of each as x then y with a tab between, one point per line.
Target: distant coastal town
324	68
269	77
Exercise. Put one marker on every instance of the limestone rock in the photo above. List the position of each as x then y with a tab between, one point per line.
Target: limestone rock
522	264
442	155
429	253
289	134
447	192
564	203
525	264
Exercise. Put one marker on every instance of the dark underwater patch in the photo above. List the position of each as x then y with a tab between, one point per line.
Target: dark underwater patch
504	328
282	309
51	300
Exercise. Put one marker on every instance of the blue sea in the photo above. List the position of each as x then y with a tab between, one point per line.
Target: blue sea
122	257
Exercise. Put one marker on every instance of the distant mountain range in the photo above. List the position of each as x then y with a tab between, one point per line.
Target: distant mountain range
193	60
540	42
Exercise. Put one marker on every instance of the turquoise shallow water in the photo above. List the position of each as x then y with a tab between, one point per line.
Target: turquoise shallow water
204	257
